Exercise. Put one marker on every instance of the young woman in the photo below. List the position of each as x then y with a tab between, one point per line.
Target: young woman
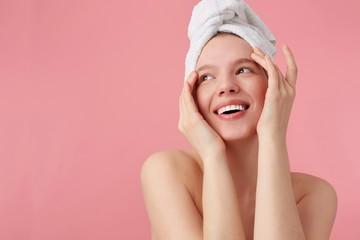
235	181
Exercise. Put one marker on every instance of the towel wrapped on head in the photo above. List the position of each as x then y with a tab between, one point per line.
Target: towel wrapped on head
233	16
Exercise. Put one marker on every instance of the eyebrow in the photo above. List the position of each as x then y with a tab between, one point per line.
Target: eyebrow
238	61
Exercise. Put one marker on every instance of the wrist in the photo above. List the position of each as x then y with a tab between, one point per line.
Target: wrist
215	157
274	137
272	131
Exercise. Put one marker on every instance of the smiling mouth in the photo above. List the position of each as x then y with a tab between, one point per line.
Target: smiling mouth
231	109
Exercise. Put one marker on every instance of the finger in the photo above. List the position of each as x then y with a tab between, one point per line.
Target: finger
189	79
282	81
284	84
193	77
272	72
189	103
291	68
182	99
181	102
258	51
260	60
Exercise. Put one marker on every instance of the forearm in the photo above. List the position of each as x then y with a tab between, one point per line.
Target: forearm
276	215
221	211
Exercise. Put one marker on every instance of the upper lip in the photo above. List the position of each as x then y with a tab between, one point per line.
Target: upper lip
231	102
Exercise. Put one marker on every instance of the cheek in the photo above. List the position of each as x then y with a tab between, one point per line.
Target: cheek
261	93
258	92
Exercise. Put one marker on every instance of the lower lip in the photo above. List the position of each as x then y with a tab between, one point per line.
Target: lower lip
232	116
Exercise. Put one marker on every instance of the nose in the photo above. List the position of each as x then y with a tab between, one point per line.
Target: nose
227	86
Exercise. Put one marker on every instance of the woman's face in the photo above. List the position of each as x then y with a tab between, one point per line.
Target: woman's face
229	78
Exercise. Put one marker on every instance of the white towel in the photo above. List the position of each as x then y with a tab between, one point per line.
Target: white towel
234	16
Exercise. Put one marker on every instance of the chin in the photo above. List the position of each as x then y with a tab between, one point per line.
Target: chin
239	135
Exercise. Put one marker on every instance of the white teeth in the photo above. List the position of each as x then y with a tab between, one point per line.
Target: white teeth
230	107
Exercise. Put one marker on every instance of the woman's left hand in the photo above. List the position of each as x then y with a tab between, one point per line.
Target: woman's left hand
279	96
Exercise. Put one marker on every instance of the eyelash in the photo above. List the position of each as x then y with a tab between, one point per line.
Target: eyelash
237	72
249	70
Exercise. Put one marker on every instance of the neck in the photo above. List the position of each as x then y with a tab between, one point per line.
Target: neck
243	162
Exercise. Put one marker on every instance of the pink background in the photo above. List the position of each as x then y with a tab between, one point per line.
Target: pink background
89	89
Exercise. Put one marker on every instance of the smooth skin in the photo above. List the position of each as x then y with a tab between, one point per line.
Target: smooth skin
235	181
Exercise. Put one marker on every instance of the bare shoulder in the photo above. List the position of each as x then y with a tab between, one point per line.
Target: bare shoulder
175	162
317	205
307	183
165	179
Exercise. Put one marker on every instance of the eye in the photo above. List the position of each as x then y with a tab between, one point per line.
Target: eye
243	70
205	77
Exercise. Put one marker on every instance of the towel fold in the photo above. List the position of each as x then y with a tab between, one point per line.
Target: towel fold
234	16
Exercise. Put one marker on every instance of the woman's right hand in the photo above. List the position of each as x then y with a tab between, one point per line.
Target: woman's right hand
194	127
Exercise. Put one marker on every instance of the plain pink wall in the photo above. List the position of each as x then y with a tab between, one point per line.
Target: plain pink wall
89	89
